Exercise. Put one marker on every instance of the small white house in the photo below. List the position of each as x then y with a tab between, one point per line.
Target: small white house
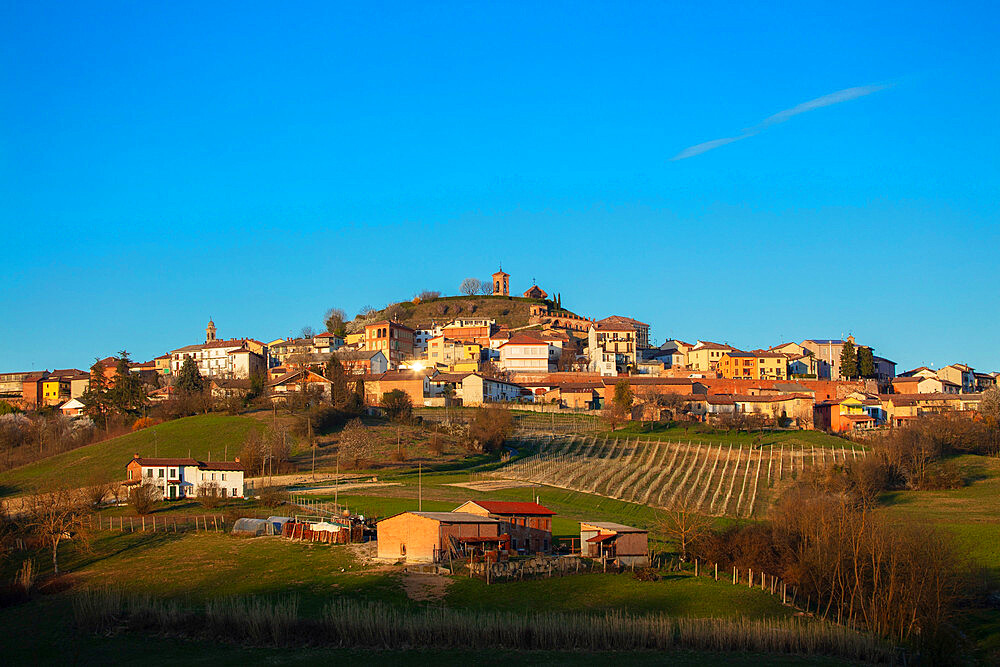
181	478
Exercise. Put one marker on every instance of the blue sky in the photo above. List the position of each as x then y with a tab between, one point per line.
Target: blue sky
257	163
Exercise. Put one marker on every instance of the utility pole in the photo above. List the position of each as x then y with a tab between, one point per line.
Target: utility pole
420	487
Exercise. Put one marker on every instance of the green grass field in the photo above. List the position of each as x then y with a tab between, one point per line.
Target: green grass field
971	513
196	436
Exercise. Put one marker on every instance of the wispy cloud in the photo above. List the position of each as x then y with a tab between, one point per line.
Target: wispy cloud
780	117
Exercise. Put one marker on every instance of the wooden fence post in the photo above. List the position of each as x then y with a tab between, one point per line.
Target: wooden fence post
143	523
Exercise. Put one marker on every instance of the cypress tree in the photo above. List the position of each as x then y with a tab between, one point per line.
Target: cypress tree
848	361
866	362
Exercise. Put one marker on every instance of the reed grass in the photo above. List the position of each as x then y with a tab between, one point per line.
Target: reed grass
357	624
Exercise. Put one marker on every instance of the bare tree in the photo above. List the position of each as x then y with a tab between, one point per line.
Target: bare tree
55	516
428	295
357	442
97	491
334	320
486	287
682	523
469	286
307	332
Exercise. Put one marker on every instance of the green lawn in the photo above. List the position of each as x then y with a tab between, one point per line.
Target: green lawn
197	436
971	513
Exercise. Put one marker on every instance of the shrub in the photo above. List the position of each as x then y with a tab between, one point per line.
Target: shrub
145	422
397	405
143	497
272	496
208	495
490	429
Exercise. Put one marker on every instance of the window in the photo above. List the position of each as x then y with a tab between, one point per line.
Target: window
223	477
149	473
213	476
173	473
159	472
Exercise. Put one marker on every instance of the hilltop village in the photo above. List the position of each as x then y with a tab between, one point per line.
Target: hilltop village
544	355
489	346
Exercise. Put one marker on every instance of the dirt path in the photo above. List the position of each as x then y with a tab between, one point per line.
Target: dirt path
425	587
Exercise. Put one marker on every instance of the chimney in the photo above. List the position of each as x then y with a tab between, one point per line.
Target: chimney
237	459
136	455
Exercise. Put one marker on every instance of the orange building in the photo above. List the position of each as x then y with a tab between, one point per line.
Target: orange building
393	339
756	365
413	384
430	537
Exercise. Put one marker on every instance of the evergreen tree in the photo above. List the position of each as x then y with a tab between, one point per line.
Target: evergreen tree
256	386
866	362
623	397
336	374
189	380
95	398
848	361
127	395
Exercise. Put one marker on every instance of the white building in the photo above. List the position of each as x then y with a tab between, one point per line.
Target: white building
236	358
177	478
524	354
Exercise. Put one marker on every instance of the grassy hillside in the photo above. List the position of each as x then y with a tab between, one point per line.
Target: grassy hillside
971	513
195	436
510	311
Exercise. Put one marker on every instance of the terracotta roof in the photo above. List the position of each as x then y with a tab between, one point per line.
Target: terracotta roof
290	374
621	319
450	377
524	339
611	381
202	465
165	462
233	342
509	507
391	324
708	345
398	376
603	325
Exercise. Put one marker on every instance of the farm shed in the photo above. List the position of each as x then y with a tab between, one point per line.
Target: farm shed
528	524
252	527
429	537
614	541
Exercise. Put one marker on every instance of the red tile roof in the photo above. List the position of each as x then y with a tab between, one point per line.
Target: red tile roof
524	339
507	507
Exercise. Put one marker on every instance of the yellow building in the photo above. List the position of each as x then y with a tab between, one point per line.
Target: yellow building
354	338
456	355
55	391
705	356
